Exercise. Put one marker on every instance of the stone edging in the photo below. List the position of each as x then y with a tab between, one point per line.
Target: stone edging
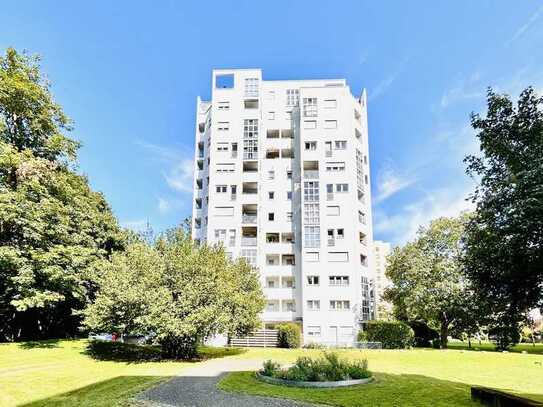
293	383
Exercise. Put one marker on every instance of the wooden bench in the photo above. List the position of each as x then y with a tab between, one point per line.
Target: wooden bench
496	398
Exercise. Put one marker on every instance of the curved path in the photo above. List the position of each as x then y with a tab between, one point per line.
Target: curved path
196	386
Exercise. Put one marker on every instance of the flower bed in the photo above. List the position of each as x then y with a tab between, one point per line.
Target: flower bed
326	371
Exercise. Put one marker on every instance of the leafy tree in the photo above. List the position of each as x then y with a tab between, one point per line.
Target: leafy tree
54	230
182	292
428	281
504	239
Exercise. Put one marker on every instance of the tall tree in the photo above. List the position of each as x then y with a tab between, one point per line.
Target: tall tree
182	292
427	277
504	240
54	230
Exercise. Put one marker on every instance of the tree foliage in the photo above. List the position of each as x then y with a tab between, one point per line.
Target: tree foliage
181	292
54	230
504	239
427	276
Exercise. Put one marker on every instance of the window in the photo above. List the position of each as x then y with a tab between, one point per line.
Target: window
330	103
225	167
338	280
335	167
328	149
222	147
220	235
311	191
313	331
271	174
331	240
251	87
338	305
332	211
288	116
221	189
293	97
313	280
271	216
289	195
272	306
361	217
310	107
311	257
329	192
340	233
224	106
340	145
311	145
289	174
249	255
271	195
289	306
224	211
338	257
224	81
223	126
271	115
364	260
330	124
312	236
289	216
250	139
311	214
313	305
310	124
366	179
232	237
340	188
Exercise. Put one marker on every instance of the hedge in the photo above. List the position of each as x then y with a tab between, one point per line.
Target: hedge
392	335
289	335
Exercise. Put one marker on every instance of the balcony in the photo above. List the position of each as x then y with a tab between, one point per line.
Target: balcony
248	241
249	188
249	236
249	218
311	174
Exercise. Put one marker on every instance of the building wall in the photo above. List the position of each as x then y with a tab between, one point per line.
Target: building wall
292	156
381	251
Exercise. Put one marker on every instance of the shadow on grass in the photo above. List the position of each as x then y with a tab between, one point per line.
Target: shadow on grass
387	390
104	393
130	353
45	344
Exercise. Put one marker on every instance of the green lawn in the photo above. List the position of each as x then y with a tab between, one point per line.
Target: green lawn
487	346
419	377
60	373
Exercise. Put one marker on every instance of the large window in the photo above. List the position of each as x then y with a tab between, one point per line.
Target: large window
250	139
311	191
249	255
310	107
313	305
338	280
251	87
311	214
339	305
312	236
293	97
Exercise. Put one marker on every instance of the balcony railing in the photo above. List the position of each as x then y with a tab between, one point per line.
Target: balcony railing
311	174
248	241
246	218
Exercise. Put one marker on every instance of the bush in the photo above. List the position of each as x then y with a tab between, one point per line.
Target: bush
314	345
289	335
330	367
424	335
392	335
119	351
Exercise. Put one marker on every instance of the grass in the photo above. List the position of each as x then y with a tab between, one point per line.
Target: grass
64	373
490	347
419	377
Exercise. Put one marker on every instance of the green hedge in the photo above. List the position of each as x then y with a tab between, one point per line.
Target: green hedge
289	335
392	335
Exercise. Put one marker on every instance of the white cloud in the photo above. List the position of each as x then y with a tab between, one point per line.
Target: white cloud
164	205
389	182
180	176
524	27
403	225
465	89
383	86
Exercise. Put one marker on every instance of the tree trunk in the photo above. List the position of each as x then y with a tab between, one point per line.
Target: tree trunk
444	333
469	341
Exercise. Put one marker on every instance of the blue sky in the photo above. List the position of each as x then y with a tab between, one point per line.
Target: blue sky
128	73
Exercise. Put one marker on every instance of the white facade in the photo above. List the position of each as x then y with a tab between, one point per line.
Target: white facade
381	251
282	178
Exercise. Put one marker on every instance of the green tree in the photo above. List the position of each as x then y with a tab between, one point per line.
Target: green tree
182	292
428	281
504	239
54	230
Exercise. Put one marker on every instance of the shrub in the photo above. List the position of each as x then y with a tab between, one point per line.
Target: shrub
289	335
330	367
314	345
119	351
270	368
424	335
392	335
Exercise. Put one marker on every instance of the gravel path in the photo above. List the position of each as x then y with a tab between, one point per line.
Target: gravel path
197	387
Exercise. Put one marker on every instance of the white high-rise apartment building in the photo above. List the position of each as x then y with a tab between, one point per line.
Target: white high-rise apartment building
282	179
381	251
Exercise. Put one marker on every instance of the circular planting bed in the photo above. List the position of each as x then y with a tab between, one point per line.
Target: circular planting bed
294	383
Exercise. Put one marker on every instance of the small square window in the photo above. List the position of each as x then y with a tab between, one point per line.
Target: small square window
271	195
271	115
289	195
289	174
271	216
